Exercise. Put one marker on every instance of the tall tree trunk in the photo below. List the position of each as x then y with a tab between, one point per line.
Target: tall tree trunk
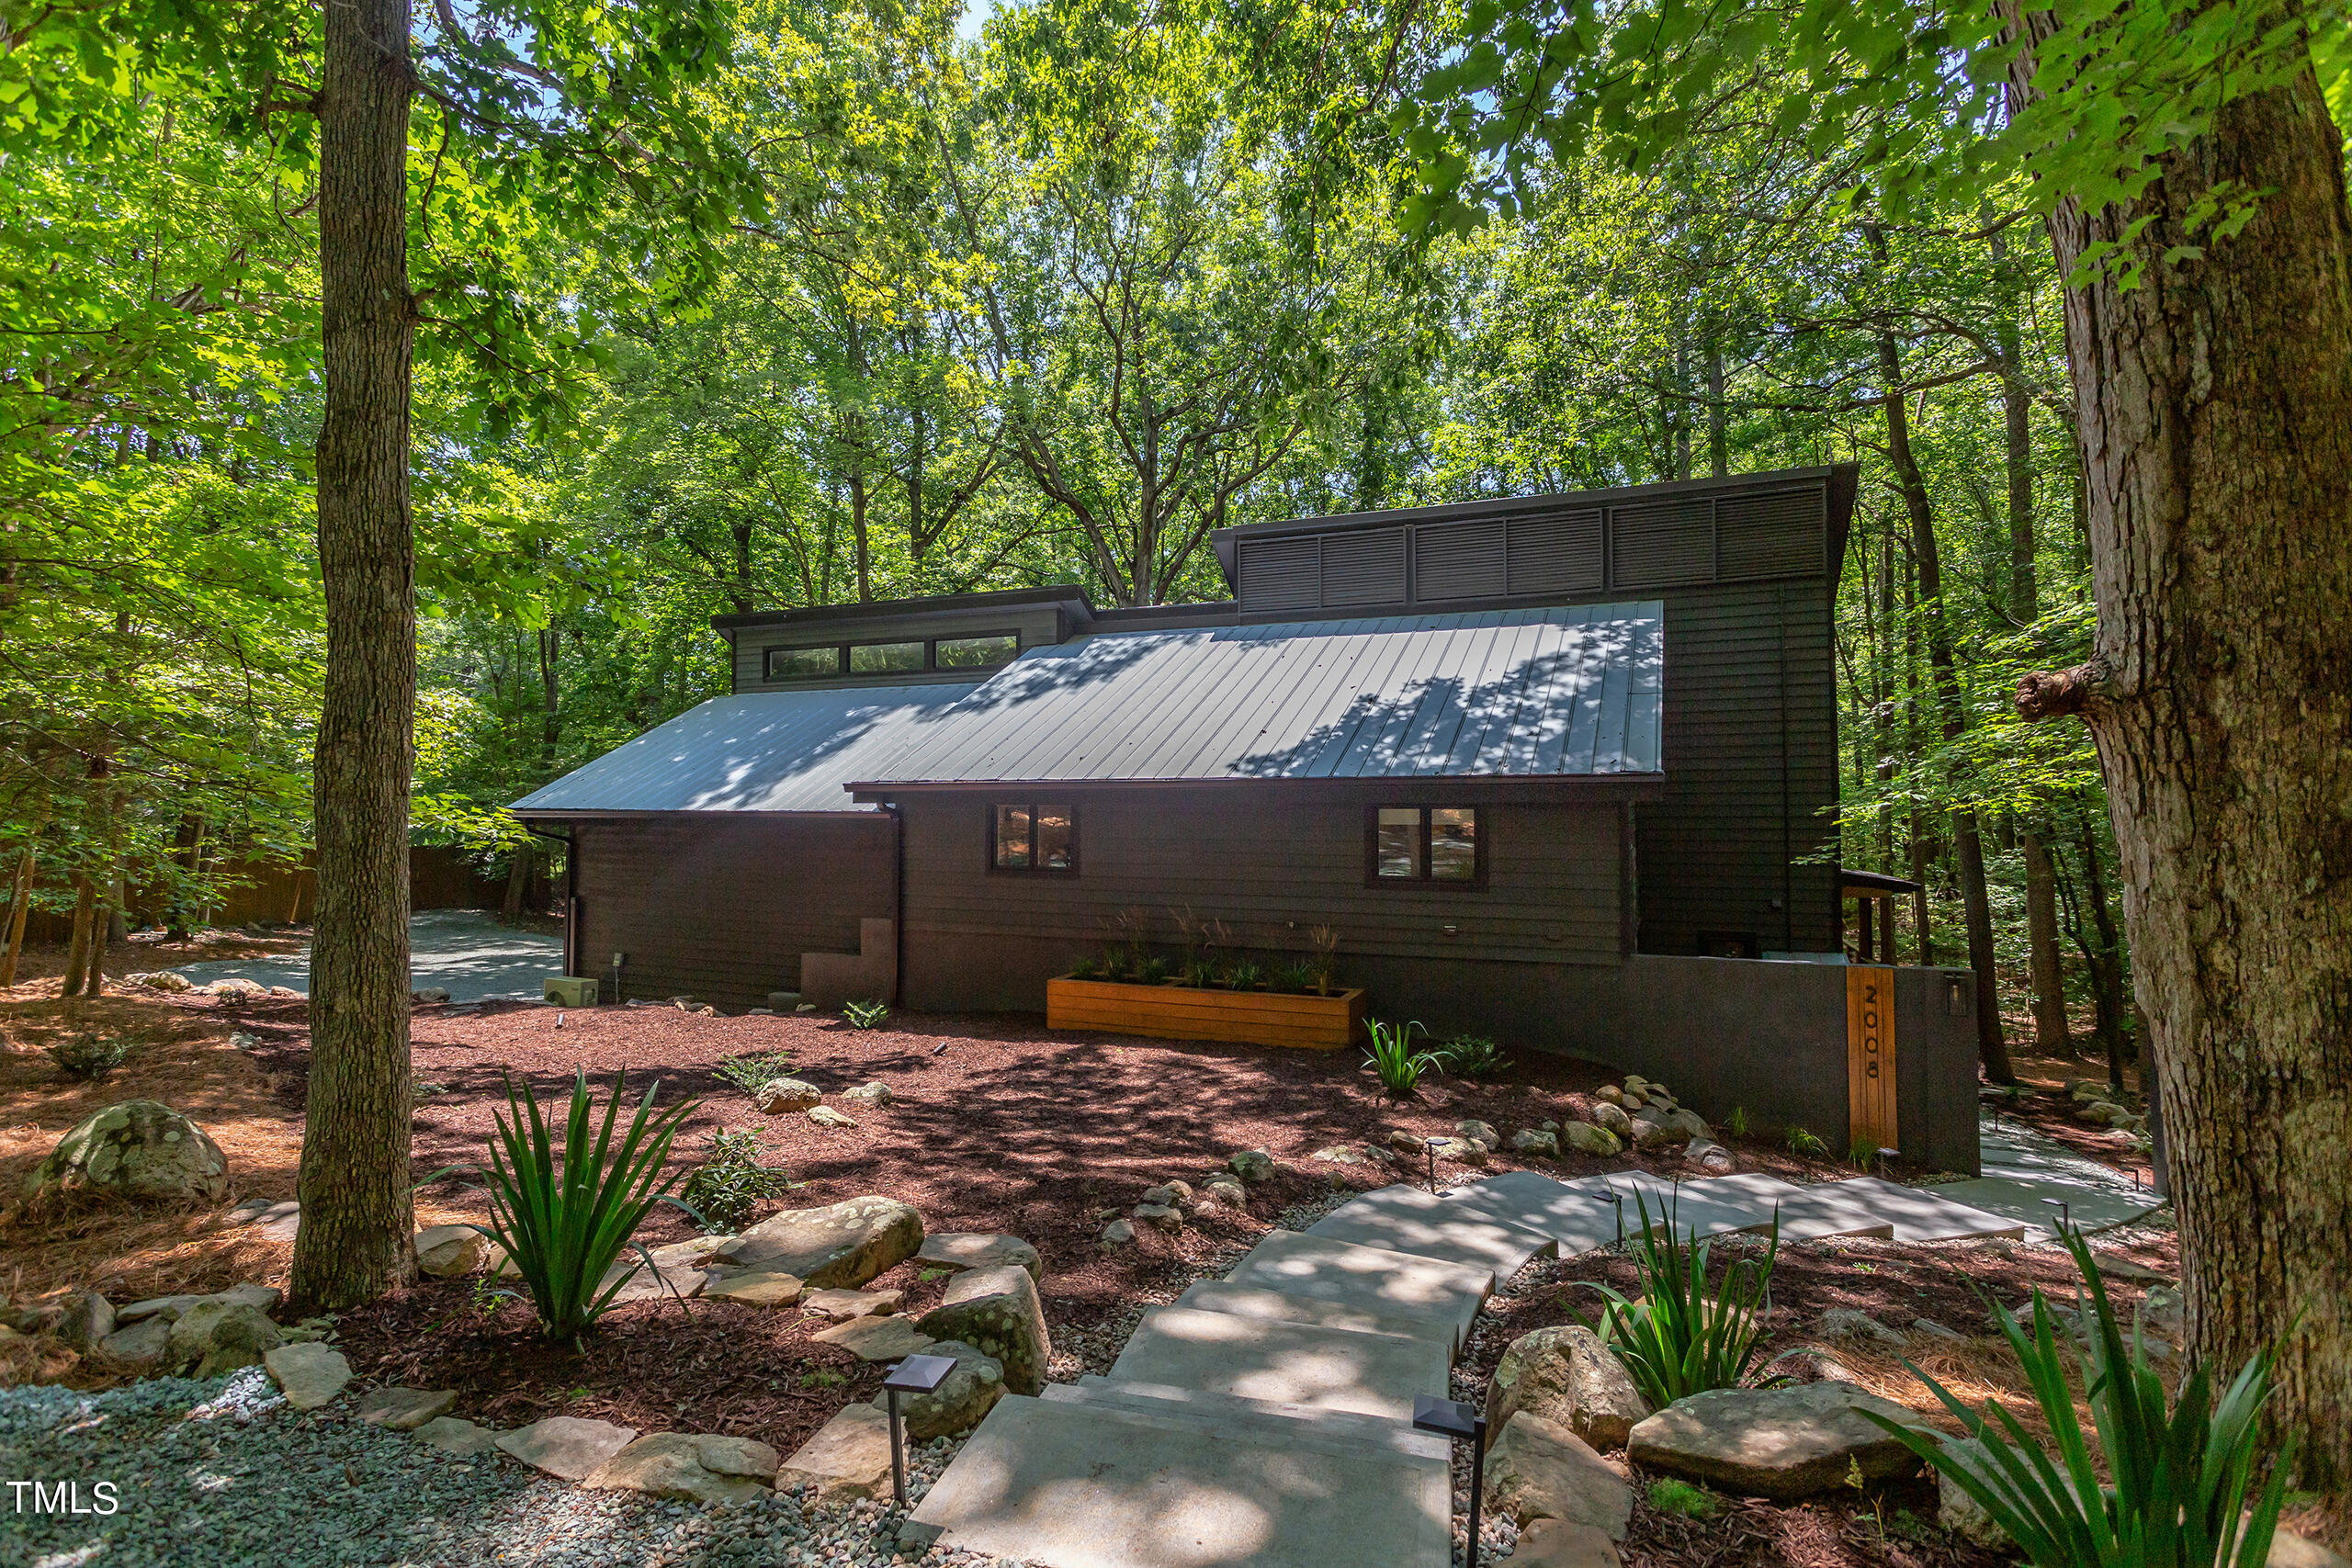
740	598
2214	408
357	1217
2107	960
2050	1029
19	907
1718	439
1991	1044
77	950
518	881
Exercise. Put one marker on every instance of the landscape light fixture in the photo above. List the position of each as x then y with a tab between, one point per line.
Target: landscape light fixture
1451	1418
1430	1144
2065	1213
1886	1157
916	1375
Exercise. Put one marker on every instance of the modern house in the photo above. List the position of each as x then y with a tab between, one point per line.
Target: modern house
1559	770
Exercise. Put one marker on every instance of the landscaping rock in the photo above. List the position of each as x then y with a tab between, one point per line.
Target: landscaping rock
1566	1375
848	1459
1252	1165
1962	1514
1225	1191
140	1345
430	994
139	1149
755	1289
1587	1139
1540	1469
699	1467
1463	1151
1339	1154
264	1298
2289	1550
955	1405
2099	1113
1556	1543
1686	1125
310	1375
1478	1131
1649	1134
664	1282
570	1447
997	1311
1168	1194
1782	1443
216	1337
779	1095
1710	1156
875	1093
403	1409
1610	1094
842	1244
979	1250
454	1434
1615	1119
876	1338
1118	1233
1529	1141
1160	1215
1844	1322
1404	1140
826	1116
2164	1313
85	1318
840	1306
448	1251
1934	1330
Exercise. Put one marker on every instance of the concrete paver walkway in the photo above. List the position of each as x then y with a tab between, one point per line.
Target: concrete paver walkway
2023	1169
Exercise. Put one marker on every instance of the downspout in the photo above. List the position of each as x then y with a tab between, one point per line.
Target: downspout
570	896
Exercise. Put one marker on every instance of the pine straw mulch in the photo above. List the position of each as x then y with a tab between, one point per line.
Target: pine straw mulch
1891	1528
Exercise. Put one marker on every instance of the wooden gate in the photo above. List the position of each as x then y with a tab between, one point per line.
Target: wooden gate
1870	1055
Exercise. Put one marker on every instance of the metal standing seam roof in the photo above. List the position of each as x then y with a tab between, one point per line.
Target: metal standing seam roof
1572	692
758	752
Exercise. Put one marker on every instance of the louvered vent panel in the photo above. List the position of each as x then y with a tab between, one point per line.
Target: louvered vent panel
1661	543
1363	569
1777	534
1462	560
1278	574
1559	554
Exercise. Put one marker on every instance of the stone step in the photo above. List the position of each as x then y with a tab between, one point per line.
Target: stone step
1231	1413
1808	1213
1371	1278
1249	1301
1406	1219
1080	1484
1283	1363
1916	1213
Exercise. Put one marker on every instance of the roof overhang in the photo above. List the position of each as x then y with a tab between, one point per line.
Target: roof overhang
1533	789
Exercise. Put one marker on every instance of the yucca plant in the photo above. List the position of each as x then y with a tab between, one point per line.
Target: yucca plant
1393	1056
565	1217
1685	1337
2180	1475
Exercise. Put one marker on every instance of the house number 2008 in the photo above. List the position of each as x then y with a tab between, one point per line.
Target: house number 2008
1870	1029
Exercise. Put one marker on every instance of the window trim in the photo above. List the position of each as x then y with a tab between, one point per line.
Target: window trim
987	839
841	656
768	657
1427	881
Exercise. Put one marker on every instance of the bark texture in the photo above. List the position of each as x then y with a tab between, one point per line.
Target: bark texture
2214	404
358	1218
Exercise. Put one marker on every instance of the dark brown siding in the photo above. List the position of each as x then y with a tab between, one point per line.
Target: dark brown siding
1270	865
721	906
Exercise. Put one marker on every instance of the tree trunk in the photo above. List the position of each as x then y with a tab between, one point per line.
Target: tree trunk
19	909
2214	406
357	1217
2107	965
2049	1029
78	951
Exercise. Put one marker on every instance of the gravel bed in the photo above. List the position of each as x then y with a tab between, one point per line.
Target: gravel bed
225	1471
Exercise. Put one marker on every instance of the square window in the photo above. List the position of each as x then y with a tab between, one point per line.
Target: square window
1033	840
804	663
1399	852
1056	838
1424	844
885	657
1013	838
1453	844
978	652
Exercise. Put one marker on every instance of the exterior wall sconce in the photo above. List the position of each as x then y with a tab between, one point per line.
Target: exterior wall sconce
1453	1419
916	1375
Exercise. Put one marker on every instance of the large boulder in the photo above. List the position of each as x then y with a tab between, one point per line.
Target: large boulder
1613	1117
998	1312
1540	1469
448	1251
1566	1375
216	1337
955	1405
1535	1141
700	1467
849	1457
140	1149
1587	1139
1782	1443
843	1244
570	1448
979	1250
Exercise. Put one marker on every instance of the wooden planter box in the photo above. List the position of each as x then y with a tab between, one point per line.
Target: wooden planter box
1182	1013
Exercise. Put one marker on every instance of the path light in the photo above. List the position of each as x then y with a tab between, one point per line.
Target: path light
2065	1213
1451	1418
916	1375
1430	1144
1887	1157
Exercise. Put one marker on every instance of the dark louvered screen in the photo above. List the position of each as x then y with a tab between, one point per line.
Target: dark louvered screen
1556	554
1280	574
1777	534
1660	543
1366	568
1461	560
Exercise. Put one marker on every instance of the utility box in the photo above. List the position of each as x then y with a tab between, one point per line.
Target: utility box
572	990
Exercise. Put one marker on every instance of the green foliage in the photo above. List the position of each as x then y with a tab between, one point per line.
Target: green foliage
1686	1336
1152	971
2179	1473
1806	1145
87	1056
1293	977
865	1015
1668	1495
1199	973
1736	1123
1243	975
565	1215
1861	1151
749	1072
1391	1055
1472	1056
1084	967
727	1188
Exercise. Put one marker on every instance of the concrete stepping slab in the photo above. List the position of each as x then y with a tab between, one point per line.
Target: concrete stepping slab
1406	1219
1574	1214
1082	1486
1370	1277
1807	1213
1231	1413
1916	1213
1283	1363
1250	1300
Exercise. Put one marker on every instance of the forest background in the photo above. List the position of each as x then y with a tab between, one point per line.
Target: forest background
1040	300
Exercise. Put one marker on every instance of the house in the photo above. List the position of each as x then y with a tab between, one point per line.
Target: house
1560	770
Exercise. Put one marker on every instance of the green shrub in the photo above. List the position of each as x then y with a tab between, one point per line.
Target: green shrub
1736	1123
1244	976
1295	978
725	1189
865	1015
1472	1056
1152	971
1199	973
1860	1150
747	1073
564	1217
1685	1337
1668	1495
1084	968
1805	1146
2180	1475
1393	1056
87	1056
